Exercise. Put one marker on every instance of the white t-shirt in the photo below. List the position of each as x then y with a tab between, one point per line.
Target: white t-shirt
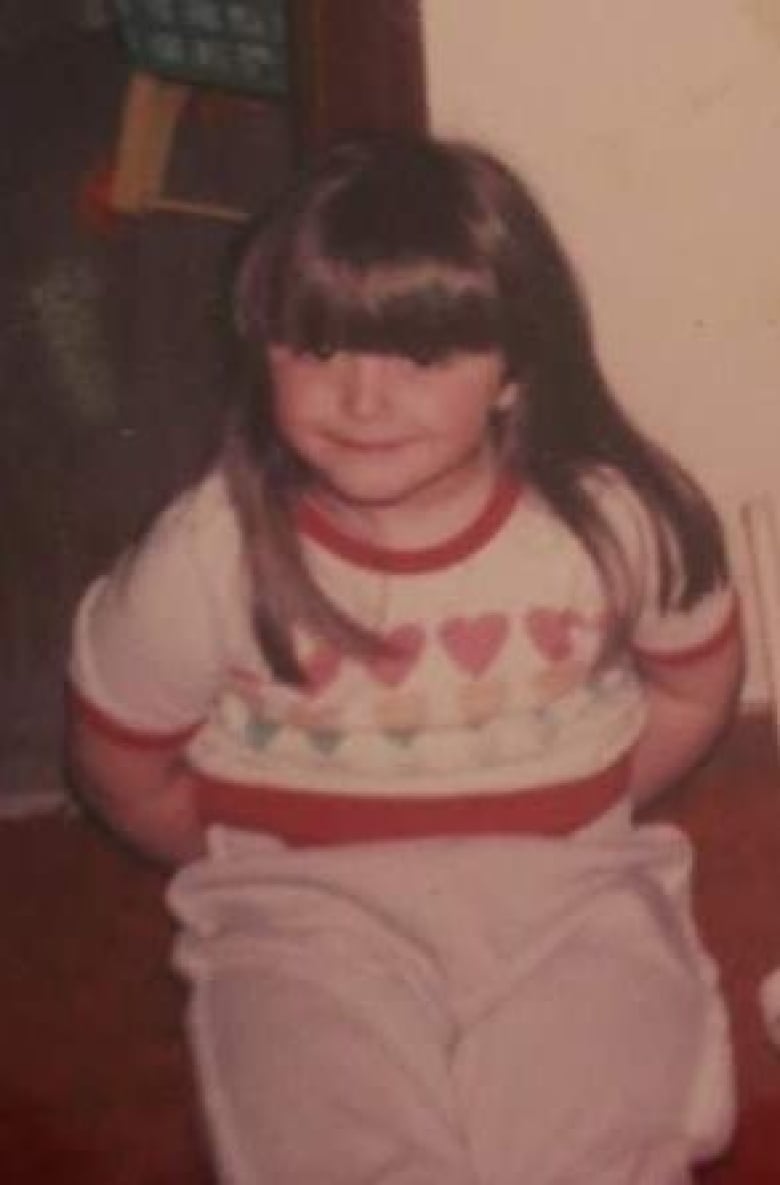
492	686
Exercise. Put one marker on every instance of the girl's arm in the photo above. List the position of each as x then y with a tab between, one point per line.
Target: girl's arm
688	705
146	795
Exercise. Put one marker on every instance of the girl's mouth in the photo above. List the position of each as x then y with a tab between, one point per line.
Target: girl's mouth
368	446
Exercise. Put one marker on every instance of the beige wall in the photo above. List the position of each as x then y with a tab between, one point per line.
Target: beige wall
651	130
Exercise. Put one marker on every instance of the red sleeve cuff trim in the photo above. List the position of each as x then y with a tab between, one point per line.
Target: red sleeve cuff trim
732	626
120	733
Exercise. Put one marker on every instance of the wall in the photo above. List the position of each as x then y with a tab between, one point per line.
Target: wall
651	130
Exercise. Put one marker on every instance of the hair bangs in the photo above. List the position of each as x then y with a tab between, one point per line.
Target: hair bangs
420	309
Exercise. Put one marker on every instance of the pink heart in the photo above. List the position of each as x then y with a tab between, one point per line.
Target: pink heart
321	669
403	649
550	631
473	642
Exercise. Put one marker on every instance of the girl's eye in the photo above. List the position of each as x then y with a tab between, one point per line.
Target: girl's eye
317	353
424	359
323	351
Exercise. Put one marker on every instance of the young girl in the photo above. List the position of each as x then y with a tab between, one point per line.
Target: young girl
388	685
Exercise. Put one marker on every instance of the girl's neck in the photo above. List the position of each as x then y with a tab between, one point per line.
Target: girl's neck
417	521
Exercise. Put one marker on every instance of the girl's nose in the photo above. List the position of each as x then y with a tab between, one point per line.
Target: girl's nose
365	385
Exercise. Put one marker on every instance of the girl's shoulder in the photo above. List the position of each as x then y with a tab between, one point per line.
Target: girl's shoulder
622	506
193	542
151	635
610	487
200	520
676	625
612	498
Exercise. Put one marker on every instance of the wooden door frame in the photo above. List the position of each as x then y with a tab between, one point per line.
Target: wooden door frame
356	65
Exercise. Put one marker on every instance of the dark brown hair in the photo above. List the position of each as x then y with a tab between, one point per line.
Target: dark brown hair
409	245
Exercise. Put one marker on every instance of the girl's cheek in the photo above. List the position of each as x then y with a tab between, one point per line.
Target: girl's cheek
284	417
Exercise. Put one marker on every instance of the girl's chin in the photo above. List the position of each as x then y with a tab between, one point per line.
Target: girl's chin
392	485
372	495
406	496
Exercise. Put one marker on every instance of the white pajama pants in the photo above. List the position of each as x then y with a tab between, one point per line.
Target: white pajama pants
508	1011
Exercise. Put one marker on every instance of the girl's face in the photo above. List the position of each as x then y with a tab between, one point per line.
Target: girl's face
383	431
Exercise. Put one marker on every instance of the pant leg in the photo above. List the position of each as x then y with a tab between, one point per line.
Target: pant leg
320	1045
608	1061
578	1080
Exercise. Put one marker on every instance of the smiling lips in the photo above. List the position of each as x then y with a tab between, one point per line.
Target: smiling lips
368	446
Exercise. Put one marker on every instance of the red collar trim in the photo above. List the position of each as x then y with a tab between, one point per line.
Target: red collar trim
323	530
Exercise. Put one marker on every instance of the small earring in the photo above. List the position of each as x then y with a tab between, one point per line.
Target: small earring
506	398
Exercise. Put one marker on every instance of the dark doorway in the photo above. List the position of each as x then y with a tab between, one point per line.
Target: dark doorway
356	67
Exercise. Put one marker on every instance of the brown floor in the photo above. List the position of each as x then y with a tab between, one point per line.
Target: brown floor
96	1088
731	809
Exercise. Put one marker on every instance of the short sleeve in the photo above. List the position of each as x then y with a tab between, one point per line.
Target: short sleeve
148	648
660	633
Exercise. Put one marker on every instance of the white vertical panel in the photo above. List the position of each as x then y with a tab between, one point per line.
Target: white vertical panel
763	546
